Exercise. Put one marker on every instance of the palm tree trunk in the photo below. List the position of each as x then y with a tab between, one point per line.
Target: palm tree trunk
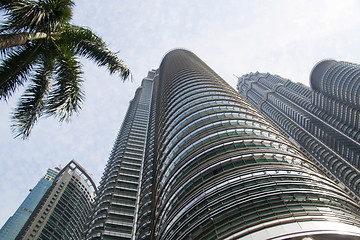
12	40
17	39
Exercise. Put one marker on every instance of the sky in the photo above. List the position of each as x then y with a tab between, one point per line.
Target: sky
233	37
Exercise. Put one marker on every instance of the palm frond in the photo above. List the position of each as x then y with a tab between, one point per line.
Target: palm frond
85	43
35	16
22	16
51	47
6	4
67	96
14	70
58	12
32	102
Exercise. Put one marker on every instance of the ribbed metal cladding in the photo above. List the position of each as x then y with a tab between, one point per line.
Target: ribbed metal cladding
145	211
339	80
222	171
330	137
116	206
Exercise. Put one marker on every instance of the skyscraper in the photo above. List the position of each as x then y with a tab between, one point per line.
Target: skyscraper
323	120
14	224
338	81
63	210
116	204
194	160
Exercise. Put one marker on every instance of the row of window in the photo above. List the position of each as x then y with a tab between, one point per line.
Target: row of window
259	198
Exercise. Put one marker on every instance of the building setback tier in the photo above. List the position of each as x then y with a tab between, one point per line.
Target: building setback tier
326	129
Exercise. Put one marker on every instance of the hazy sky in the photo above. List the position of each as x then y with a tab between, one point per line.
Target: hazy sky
233	37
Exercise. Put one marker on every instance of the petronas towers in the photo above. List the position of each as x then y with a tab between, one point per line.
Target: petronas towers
195	160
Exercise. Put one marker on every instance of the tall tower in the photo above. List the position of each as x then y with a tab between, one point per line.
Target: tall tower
337	80
213	167
323	121
116	204
14	224
63	210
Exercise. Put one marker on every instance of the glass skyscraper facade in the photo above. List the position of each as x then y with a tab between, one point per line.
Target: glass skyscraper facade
14	224
63	210
116	204
195	160
323	120
339	81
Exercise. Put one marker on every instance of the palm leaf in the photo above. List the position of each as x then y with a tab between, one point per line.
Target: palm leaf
66	97
32	102
15	69
85	43
58	12
33	16
22	16
52	47
6	4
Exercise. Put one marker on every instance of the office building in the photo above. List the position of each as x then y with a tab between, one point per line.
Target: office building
323	120
338	80
116	204
14	224
63	210
194	160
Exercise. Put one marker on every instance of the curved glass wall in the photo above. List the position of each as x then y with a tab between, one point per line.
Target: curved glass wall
221	170
339	80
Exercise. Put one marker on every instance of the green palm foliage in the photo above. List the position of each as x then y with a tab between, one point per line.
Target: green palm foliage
40	50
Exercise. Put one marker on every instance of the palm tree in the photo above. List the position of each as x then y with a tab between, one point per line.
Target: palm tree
40	49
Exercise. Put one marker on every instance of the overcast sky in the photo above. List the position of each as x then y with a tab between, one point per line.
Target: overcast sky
233	37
